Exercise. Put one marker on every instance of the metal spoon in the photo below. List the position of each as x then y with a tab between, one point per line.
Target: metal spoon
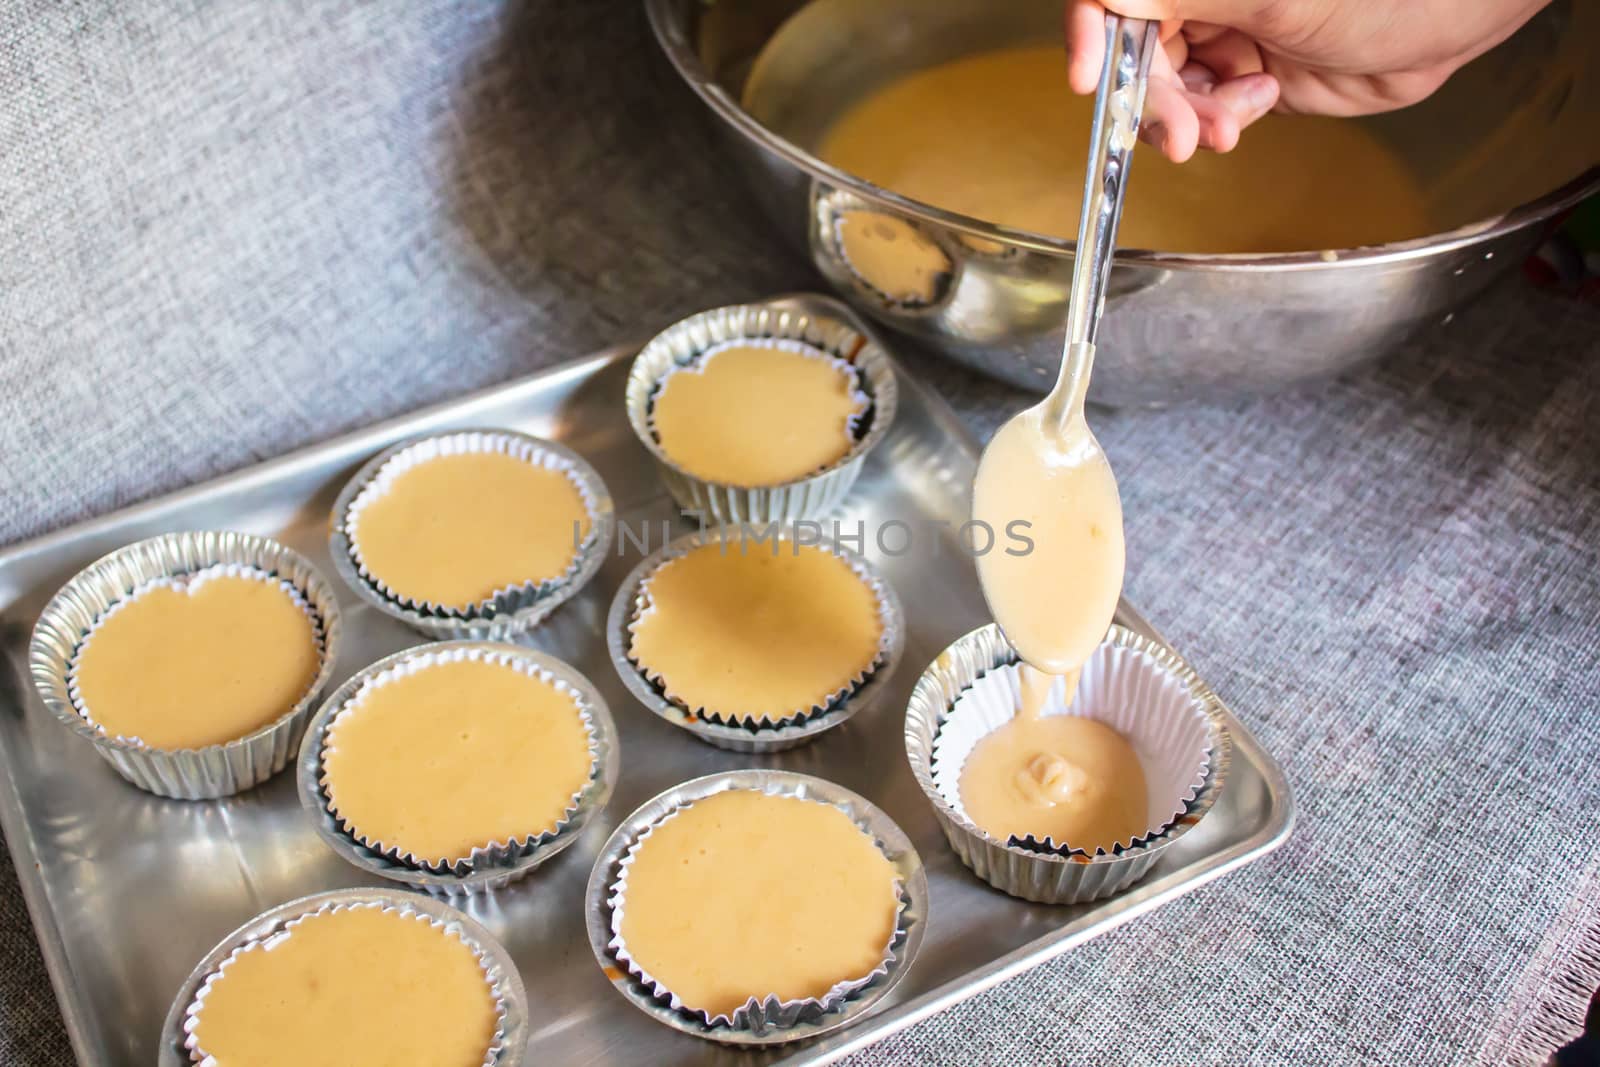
1044	469
1130	44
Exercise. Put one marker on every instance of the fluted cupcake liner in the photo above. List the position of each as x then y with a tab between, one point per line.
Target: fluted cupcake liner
510	611
689	340
747	733
1120	687
69	620
178	1040
494	864
758	1021
1141	688
830	215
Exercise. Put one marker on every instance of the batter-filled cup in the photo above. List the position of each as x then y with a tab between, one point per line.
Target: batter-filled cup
427	579
683	348
496	857
733	728
892	883
184	564
887	260
1140	689
434	989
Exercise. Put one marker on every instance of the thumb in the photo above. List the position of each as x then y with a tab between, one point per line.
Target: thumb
1231	13
1153	10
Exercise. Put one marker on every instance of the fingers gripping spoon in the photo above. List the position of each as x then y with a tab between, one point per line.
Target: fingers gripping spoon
1044	479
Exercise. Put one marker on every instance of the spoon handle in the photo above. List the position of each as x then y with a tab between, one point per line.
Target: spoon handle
1130	43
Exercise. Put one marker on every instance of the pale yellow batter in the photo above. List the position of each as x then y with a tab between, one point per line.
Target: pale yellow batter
457	529
1063	777
899	262
737	631
454	756
747	895
1071	779
1055	601
359	985
999	136
752	415
189	667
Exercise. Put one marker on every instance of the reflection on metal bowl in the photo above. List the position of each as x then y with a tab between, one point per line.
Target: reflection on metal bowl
1514	140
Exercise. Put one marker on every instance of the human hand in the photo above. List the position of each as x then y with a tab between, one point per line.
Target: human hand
1226	63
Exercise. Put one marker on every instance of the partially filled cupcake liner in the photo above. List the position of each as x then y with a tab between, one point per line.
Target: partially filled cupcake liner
689	340
746	732
1138	687
493	864
509	611
508	1044
768	1020
70	620
1120	687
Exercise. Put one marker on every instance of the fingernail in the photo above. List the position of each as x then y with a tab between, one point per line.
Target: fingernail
1259	96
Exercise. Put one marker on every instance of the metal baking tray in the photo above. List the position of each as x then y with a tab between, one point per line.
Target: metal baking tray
128	890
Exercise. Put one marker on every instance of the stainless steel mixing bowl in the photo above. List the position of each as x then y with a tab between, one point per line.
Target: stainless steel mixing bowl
1521	126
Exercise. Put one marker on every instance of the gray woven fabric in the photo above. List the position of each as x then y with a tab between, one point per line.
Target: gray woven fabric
226	230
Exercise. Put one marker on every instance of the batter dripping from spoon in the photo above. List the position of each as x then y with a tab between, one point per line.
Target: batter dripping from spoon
1072	779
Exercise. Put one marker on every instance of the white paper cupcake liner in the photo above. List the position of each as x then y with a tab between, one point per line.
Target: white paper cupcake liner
758	1021
688	340
510	611
1129	679
69	620
178	1042
1121	687
748	733
495	864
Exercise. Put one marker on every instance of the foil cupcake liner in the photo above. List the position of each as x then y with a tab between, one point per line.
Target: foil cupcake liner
746	733
511	611
1149	706
832	212
772	1021
1132	669
178	1045
497	864
803	498
73	613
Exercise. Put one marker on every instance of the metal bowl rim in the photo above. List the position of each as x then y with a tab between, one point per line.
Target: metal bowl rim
672	37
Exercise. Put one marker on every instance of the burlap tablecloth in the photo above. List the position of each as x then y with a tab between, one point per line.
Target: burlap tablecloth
229	229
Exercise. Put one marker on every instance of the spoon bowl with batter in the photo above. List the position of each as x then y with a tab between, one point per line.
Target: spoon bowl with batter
1044	478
